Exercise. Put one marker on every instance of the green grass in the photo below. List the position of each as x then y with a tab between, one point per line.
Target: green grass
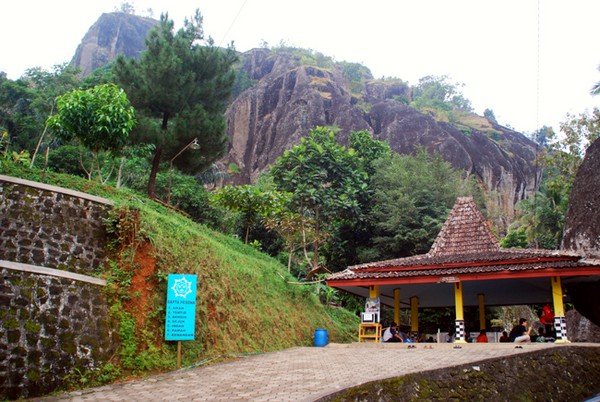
245	302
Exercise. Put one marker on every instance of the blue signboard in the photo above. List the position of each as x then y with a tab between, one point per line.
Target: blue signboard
181	307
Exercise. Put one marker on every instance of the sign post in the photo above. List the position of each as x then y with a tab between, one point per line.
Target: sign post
181	310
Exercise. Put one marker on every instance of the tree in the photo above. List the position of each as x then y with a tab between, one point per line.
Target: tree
99	118
437	93
541	216
181	77
412	197
26	103
489	115
367	149
351	239
566	154
596	88
252	202
515	239
542	135
326	181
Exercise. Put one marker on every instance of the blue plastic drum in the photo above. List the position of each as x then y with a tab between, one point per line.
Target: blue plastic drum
321	337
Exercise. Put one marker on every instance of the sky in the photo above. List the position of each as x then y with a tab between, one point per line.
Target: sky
530	61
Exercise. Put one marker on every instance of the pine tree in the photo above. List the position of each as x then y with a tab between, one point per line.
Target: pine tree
184	79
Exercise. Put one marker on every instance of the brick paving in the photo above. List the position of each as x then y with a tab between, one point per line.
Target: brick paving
296	374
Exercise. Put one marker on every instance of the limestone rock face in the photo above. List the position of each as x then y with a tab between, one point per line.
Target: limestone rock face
580	329
582	221
289	98
112	34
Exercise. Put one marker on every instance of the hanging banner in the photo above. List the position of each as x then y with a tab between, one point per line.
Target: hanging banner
181	308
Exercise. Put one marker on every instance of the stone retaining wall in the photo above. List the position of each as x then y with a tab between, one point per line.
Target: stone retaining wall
54	319
51	227
558	374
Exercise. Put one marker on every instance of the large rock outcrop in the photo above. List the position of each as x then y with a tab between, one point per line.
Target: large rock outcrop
111	35
290	91
290	97
582	221
582	230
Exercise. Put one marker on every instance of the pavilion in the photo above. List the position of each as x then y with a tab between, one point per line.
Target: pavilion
466	267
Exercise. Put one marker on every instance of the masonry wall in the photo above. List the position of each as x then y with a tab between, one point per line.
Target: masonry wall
569	373
46	227
54	319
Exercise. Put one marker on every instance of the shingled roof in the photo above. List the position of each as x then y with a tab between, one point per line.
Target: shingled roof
465	245
464	232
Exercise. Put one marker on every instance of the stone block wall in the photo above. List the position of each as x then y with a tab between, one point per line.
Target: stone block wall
45	227
54	318
51	327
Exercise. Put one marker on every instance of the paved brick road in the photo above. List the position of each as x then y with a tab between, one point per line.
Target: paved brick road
297	374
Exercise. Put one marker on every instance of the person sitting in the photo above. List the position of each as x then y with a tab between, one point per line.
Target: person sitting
482	337
391	334
520	333
540	335
504	337
450	336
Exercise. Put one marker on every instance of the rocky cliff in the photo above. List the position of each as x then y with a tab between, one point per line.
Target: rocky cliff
111	35
283	93
582	221
291	95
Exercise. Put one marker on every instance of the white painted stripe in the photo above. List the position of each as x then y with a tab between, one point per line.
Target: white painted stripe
17	266
56	189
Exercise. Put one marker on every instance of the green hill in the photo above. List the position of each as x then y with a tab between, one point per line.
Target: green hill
247	302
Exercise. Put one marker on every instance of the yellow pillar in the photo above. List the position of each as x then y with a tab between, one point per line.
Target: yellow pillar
481	298
560	323
374	291
414	314
397	306
460	319
559	308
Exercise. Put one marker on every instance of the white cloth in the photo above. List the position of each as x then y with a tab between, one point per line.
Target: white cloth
387	334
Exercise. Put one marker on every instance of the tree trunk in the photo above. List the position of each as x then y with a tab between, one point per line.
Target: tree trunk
120	174
316	241
290	256
153	172
156	160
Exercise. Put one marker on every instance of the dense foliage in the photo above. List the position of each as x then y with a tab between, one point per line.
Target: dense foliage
99	118
326	182
412	198
541	216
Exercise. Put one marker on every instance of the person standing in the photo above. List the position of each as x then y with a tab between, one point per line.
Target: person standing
547	320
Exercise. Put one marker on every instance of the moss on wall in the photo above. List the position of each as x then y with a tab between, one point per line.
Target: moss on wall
569	373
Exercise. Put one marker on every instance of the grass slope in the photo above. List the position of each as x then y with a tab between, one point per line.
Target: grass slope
245	301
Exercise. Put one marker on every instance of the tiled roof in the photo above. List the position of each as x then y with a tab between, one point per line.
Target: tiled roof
464	232
353	273
465	245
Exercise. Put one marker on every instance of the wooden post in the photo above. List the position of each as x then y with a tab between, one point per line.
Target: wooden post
481	298
178	354
414	314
